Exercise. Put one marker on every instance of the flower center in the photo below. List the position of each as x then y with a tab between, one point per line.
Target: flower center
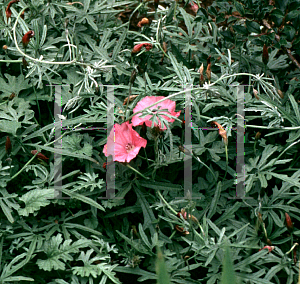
129	147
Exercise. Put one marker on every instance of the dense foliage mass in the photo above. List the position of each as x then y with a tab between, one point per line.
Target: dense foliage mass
70	69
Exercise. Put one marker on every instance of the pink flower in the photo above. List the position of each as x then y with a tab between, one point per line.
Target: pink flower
145	102
194	7
123	143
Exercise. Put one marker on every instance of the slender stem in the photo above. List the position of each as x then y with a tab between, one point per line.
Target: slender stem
157	39
226	152
164	201
197	158
136	171
24	166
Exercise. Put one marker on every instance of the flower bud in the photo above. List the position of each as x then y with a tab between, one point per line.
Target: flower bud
270	248
280	93
142	22
11	96
39	155
265	56
255	92
289	223
208	69
201	78
184	215
8	11
181	230
137	48
185	151
257	135
8	145
26	38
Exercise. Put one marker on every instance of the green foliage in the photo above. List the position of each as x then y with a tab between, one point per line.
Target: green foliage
58	222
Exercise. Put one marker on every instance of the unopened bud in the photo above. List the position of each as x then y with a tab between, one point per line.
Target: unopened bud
265	56
257	135
270	248
142	22
8	145
255	92
289	223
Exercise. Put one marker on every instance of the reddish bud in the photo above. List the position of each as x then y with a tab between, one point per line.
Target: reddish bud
289	223
130	99
137	48
208	69
185	151
11	96
26	38
265	56
8	11
8	145
39	155
181	230
184	215
105	165
165	47
142	22
270	248
22	15
257	135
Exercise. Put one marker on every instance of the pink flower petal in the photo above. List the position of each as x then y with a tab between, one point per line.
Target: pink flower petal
123	143
145	102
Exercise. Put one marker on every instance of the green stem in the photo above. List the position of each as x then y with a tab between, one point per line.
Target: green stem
197	158
136	171
165	202
20	171
226	152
